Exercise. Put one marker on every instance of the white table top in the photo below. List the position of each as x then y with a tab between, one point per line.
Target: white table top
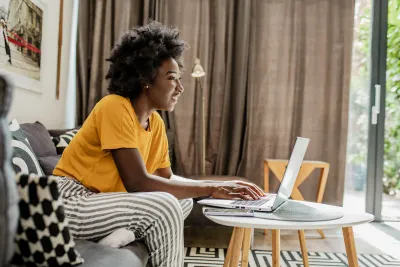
349	219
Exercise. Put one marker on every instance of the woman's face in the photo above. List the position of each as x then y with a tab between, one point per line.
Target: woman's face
166	88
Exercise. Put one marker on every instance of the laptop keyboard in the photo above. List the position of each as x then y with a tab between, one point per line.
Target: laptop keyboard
252	203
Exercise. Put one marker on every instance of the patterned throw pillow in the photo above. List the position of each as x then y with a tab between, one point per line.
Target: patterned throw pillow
24	159
43	237
62	141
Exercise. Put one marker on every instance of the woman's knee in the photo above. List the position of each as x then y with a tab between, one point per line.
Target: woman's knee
172	205
187	206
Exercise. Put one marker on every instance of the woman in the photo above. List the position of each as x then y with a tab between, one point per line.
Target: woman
4	38
119	160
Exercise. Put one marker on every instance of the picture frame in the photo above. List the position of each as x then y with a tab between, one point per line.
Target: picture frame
25	26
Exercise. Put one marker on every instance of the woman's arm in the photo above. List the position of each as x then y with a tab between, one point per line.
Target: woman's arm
135	178
226	179
164	172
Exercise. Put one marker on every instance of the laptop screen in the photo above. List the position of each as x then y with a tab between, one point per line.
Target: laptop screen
292	170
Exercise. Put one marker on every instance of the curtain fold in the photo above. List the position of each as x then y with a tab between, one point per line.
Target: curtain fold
298	85
233	122
275	70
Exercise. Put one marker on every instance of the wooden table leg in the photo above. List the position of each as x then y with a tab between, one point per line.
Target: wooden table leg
276	250
246	247
303	246
229	252
237	247
351	252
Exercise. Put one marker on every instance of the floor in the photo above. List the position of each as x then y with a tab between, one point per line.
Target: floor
372	238
355	200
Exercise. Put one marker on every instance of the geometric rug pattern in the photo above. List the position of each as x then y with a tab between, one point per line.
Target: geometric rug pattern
214	257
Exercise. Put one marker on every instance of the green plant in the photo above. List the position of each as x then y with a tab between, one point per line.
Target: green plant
391	180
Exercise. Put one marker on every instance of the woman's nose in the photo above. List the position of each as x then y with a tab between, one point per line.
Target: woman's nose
180	87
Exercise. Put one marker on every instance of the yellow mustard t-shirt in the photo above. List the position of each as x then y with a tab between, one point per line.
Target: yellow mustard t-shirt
112	124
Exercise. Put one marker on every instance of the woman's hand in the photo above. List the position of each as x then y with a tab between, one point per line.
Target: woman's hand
237	189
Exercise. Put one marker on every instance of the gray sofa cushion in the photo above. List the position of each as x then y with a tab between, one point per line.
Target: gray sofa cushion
39	139
9	211
49	163
96	255
24	159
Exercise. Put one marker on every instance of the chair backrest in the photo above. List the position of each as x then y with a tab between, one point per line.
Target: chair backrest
9	212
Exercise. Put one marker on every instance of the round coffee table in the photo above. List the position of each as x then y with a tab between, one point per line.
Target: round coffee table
240	240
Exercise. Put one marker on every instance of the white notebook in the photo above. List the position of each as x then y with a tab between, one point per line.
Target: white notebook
228	212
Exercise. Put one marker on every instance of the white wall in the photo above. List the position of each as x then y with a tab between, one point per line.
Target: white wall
29	106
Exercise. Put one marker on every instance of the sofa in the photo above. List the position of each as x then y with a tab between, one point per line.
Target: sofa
94	254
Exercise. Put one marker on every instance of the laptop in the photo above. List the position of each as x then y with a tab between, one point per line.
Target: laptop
270	202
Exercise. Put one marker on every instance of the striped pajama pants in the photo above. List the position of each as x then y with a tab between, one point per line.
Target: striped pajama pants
154	217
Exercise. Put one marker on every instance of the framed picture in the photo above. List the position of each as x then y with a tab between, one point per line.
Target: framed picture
21	27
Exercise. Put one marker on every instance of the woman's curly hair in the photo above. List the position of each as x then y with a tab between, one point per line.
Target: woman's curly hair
137	56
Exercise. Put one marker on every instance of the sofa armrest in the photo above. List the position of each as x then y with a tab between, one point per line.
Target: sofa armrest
9	211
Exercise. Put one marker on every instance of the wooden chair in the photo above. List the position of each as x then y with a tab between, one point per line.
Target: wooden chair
278	167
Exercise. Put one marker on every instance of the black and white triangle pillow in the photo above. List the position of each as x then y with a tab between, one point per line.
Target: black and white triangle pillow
62	141
24	159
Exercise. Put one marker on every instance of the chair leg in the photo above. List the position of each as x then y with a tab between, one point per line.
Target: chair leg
303	247
246	247
252	239
276	247
237	247
321	233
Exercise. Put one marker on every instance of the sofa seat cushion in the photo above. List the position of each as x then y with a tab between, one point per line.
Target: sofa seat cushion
40	139
96	255
49	163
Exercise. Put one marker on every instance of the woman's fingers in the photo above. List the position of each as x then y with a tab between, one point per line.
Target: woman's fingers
247	190
239	195
255	188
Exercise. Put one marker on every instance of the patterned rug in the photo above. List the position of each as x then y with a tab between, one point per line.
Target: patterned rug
214	257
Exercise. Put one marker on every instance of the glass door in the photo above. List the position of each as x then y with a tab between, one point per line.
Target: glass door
391	157
359	109
377	101
373	149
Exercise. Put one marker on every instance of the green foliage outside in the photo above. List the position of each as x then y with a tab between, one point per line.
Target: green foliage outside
391	179
359	100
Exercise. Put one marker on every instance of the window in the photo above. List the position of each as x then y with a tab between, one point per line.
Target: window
38	21
31	15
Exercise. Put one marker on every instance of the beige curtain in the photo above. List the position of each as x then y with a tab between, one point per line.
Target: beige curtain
100	23
276	69
298	85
